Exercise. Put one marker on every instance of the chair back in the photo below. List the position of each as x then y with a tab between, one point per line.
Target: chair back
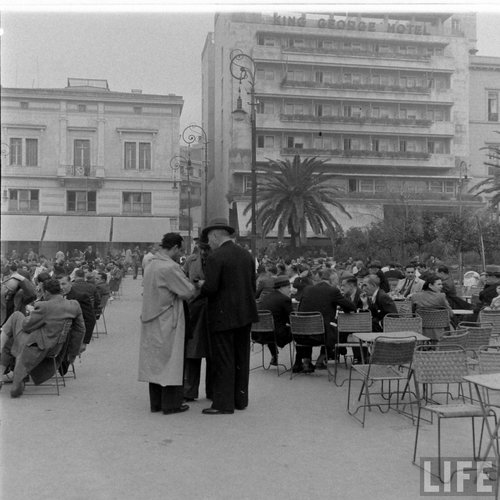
307	323
450	342
492	317
402	323
265	323
61	339
435	366
434	318
354	322
489	359
403	306
479	334
391	351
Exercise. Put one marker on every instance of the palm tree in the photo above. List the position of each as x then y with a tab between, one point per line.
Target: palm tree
292	193
491	185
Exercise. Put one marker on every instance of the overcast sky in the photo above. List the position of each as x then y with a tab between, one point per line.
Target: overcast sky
157	52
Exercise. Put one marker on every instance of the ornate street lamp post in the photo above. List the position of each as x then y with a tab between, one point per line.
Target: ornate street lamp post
175	165
195	133
242	67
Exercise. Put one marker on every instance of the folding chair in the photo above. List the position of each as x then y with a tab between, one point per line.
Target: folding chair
54	358
403	306
350	323
390	361
434	366
492	317
402	323
478	335
103	317
308	329
434	322
263	333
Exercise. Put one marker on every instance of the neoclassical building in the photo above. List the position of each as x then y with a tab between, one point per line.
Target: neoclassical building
390	100
86	165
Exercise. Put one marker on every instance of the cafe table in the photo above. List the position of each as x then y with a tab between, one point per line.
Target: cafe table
483	383
369	337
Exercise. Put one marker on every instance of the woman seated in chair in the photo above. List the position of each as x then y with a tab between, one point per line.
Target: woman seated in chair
431	297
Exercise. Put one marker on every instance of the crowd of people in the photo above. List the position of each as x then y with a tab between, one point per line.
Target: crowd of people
202	307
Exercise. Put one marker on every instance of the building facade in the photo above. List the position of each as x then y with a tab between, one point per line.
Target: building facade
85	165
384	98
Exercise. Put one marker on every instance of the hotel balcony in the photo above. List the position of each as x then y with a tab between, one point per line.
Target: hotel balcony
90	176
364	158
342	124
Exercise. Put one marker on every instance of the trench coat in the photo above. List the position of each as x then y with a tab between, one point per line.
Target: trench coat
161	351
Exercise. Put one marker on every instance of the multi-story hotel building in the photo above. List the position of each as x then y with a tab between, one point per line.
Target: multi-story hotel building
383	97
86	165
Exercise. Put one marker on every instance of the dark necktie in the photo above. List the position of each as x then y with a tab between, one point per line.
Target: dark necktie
408	288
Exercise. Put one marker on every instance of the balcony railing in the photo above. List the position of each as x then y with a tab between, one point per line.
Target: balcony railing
356	86
80	171
356	52
352	119
357	153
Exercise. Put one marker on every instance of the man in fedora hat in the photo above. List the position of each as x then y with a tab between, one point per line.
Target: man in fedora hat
489	291
279	302
230	287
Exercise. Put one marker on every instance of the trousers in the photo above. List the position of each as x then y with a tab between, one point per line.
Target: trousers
230	368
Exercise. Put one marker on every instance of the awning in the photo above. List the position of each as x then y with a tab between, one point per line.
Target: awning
139	229
78	228
22	227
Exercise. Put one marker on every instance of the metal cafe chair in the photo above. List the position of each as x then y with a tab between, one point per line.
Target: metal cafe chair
492	317
402	323
57	379
263	333
403	306
390	361
478	335
349	323
308	329
434	322
433	366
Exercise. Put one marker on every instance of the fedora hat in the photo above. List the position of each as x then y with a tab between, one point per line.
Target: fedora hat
217	223
493	269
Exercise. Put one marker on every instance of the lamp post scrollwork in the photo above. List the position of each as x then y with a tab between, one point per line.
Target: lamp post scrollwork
191	134
242	68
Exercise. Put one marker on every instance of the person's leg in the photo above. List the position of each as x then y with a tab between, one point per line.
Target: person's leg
223	370
192	369
209	391
242	366
172	397
273	350
155	397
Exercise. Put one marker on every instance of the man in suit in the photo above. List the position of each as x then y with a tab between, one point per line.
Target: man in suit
377	301
375	267
31	339
280	304
230	287
324	298
351	291
410	284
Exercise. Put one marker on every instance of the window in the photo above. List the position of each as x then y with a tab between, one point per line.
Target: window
347	77
294	142
138	203
376	79
268	42
16	151
30	152
324	110
402	146
24	104
375	145
376	112
347	144
323	142
403	113
269	74
265	141
138	109
81	149
492	106
82	108
137	156
247	184
441	186
295	75
81	201
318	76
353	185
347	111
356	78
435	147
268	107
294	108
24	200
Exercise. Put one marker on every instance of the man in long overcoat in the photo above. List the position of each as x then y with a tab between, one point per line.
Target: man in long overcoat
161	355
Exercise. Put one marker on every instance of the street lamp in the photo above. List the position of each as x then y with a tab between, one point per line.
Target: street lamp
175	164
462	172
242	67
196	133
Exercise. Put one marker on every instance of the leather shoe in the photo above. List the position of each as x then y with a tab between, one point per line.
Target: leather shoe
17	390
214	411
274	361
176	410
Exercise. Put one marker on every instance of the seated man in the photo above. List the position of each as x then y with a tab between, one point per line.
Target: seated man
278	301
376	301
324	298
31	339
104	292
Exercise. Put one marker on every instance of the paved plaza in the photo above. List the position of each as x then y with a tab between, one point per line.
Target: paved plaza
98	440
